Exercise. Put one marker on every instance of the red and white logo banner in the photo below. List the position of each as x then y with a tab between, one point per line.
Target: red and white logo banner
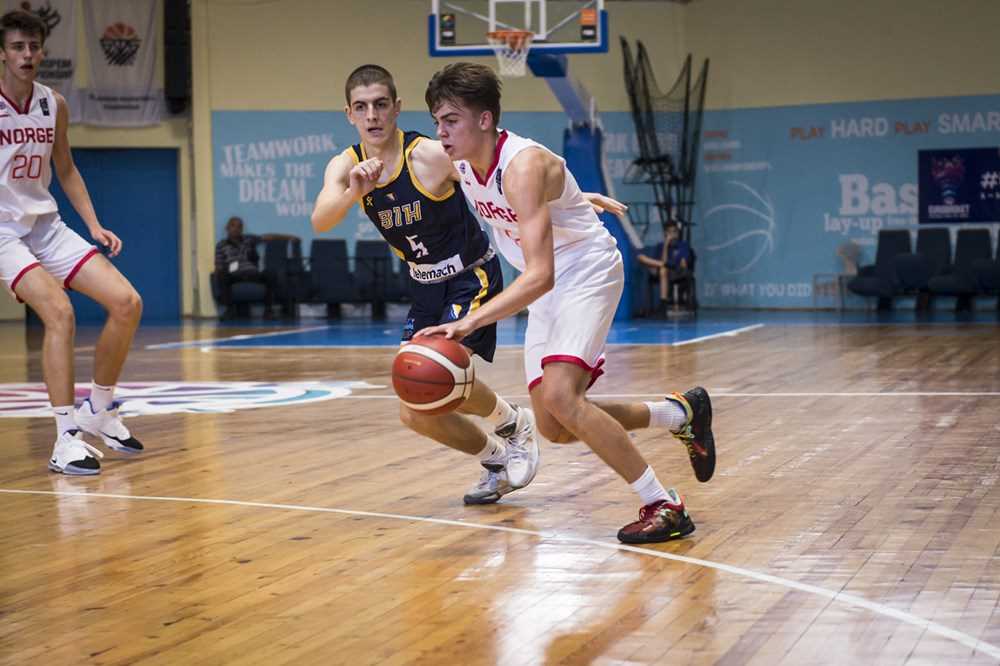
121	44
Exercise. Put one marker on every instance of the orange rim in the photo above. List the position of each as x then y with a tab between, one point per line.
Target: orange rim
515	39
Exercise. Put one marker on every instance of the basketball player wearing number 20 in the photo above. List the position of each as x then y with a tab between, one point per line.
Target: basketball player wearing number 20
405	183
571	280
40	257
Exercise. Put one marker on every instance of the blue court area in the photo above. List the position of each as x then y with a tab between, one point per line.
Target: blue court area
676	330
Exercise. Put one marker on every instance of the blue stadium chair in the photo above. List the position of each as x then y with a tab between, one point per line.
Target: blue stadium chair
283	260
971	246
330	278
914	271
372	266
879	279
988	274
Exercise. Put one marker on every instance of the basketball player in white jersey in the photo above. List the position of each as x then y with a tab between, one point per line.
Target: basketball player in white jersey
571	281
40	257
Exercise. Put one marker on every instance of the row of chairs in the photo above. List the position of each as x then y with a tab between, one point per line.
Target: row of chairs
931	270
328	275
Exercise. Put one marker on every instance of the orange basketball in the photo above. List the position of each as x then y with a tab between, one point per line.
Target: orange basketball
433	375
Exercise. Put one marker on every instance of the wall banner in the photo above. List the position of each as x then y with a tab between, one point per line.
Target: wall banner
121	44
961	185
779	190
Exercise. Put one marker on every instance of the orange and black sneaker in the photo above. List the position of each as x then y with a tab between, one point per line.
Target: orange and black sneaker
696	434
660	521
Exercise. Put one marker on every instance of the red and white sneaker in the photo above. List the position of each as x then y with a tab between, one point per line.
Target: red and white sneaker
107	425
660	521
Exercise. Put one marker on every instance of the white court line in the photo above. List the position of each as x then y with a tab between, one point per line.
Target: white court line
390	344
833	595
725	334
845	394
212	342
245	336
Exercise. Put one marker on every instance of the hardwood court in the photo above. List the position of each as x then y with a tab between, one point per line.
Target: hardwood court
852	519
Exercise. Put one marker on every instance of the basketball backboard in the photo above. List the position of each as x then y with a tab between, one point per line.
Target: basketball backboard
458	28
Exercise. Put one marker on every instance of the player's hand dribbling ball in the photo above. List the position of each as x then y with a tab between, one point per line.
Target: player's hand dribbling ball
432	374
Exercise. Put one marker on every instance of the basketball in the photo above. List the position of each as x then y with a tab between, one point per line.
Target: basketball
433	375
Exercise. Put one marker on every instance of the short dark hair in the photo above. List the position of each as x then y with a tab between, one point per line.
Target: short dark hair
473	86
368	75
22	21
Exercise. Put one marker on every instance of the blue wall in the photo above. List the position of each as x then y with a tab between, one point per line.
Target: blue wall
778	188
135	194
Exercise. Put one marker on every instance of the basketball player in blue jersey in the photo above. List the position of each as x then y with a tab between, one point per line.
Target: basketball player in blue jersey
404	182
40	257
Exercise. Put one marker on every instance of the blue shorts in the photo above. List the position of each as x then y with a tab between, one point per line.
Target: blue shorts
454	298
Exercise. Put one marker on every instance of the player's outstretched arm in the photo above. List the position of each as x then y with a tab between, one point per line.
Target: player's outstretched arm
602	203
72	182
344	183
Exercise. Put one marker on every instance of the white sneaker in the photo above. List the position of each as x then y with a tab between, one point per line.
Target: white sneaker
491	487
71	455
108	426
522	447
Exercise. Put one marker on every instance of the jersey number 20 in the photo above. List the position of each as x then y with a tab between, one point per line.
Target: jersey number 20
26	166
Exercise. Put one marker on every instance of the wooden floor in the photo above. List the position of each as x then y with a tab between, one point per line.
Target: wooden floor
853	518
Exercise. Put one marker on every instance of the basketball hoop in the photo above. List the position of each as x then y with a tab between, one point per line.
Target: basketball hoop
511	48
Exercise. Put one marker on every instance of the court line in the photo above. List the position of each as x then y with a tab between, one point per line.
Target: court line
245	336
724	334
726	394
834	596
213	342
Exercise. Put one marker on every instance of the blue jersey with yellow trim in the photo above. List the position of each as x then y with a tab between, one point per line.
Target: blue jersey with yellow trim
439	237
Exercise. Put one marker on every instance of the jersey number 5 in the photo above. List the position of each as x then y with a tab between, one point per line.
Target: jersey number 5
418	248
26	166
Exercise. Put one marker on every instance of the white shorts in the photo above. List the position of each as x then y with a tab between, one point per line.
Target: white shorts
49	244
570	323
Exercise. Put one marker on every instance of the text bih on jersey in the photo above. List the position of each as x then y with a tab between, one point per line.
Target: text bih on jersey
438	236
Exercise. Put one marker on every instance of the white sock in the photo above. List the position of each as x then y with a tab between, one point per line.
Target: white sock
649	487
494	448
666	414
64	418
502	414
101	396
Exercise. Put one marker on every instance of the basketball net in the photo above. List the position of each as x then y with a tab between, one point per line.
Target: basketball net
511	48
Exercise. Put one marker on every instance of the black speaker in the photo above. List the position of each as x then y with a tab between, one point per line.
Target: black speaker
177	54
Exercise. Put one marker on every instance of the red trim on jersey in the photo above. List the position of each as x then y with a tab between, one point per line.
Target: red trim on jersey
21	275
496	160
79	265
27	105
595	371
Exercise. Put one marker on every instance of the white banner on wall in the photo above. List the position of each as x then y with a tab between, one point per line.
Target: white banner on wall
121	43
60	61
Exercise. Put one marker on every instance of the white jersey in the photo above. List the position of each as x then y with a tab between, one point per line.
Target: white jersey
26	139
576	229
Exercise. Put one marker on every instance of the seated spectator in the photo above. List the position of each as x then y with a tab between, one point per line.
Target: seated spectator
670	264
236	260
